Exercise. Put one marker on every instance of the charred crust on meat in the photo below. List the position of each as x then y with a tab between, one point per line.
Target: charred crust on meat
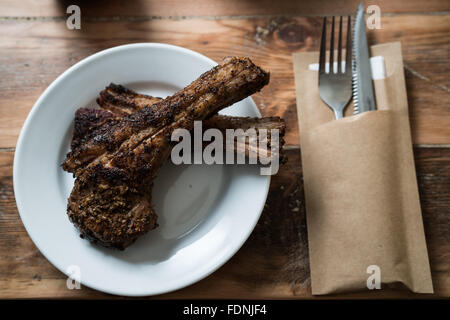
116	160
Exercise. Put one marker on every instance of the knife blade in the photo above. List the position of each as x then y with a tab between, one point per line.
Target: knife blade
363	96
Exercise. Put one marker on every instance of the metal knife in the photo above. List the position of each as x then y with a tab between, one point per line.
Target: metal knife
363	96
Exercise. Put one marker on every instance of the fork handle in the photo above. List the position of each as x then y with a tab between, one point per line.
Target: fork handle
338	114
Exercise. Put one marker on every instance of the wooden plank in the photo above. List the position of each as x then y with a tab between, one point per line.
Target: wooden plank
273	263
177	8
34	53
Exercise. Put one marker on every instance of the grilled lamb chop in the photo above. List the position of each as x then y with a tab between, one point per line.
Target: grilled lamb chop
211	91
123	101
110	202
119	101
89	122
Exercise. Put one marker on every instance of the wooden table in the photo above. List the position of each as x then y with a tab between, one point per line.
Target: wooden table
36	47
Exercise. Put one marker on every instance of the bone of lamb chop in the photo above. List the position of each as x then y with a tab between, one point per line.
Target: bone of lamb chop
111	199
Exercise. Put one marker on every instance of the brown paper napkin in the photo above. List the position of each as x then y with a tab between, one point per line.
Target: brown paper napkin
362	200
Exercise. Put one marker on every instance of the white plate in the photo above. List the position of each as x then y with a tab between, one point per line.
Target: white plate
205	212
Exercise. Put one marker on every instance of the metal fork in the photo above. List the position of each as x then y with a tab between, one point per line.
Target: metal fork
335	88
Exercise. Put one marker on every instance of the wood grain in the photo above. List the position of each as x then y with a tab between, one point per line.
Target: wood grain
34	53
36	47
210	8
273	263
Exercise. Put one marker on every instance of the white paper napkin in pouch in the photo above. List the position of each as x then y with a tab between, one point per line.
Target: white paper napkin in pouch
376	63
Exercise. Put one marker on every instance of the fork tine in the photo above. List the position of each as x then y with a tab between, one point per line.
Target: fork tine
348	48
335	89
339	59
332	47
323	47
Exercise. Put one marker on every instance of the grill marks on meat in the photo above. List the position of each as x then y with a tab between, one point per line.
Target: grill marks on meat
88	122
111	199
119	101
245	145
233	80
123	101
